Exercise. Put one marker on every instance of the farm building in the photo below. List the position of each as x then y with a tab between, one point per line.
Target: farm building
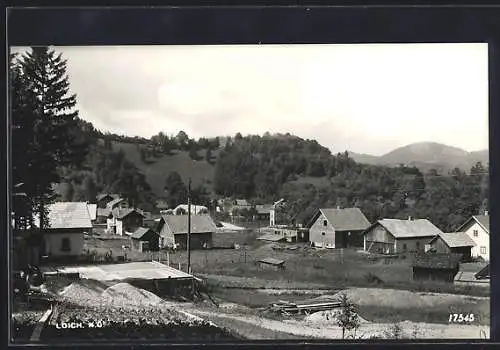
68	222
104	213
173	229
104	198
338	228
182	209
124	221
145	239
435	267
478	229
479	278
271	263
263	211
454	242
393	236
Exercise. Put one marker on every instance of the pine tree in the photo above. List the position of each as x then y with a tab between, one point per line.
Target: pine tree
46	122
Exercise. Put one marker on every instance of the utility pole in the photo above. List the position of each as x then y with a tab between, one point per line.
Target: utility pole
189	229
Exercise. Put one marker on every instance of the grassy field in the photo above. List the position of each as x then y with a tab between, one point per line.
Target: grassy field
201	172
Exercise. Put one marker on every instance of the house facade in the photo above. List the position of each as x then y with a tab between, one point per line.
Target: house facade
124	221
338	228
478	229
68	223
393	236
104	198
435	267
274	213
145	239
173	230
453	243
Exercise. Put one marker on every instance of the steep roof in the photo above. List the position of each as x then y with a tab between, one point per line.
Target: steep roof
140	232
199	223
120	213
348	219
92	211
104	195
437	261
482	220
455	239
69	215
409	228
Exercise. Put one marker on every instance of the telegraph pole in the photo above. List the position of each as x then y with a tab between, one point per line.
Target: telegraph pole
189	229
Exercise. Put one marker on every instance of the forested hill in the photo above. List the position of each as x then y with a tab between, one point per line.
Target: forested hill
265	168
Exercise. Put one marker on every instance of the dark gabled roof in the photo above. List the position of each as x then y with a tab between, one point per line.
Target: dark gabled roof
69	215
482	220
409	228
455	239
272	261
347	219
437	261
484	273
122	213
104	195
140	232
114	201
179	223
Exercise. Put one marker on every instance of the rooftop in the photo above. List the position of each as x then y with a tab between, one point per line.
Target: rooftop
456	239
346	219
199	223
140	232
410	228
437	261
69	215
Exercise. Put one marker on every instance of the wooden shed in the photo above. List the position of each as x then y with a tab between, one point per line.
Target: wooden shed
145	239
272	264
435	267
454	242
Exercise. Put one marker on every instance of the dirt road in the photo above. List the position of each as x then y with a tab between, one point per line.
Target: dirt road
253	326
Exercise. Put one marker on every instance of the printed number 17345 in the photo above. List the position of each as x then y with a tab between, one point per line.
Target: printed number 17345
461	318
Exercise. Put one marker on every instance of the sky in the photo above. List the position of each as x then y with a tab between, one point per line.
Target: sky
358	97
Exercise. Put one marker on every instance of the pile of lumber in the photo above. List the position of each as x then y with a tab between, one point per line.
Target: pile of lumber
290	307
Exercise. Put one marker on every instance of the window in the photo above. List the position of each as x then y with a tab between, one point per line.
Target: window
325	223
65	245
322	233
404	247
476	233
483	250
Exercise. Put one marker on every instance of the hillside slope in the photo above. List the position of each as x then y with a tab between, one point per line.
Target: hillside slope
201	172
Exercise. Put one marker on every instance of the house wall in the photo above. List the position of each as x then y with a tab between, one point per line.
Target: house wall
110	223
482	240
166	237
197	240
129	223
119	227
321	235
464	251
440	246
413	245
378	240
53	244
425	274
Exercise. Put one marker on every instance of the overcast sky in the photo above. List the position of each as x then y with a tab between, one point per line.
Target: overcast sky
363	98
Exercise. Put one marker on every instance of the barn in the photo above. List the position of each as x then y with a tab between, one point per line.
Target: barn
145	239
338	228
453	242
393	236
173	229
435	267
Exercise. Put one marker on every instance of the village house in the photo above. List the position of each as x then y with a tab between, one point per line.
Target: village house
104	198
263	212
104	213
338	228
68	223
124	221
452	242
173	230
435	267
182	209
92	211
145	239
478	229
393	236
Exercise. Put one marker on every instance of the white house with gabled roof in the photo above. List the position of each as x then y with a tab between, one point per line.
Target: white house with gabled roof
478	229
